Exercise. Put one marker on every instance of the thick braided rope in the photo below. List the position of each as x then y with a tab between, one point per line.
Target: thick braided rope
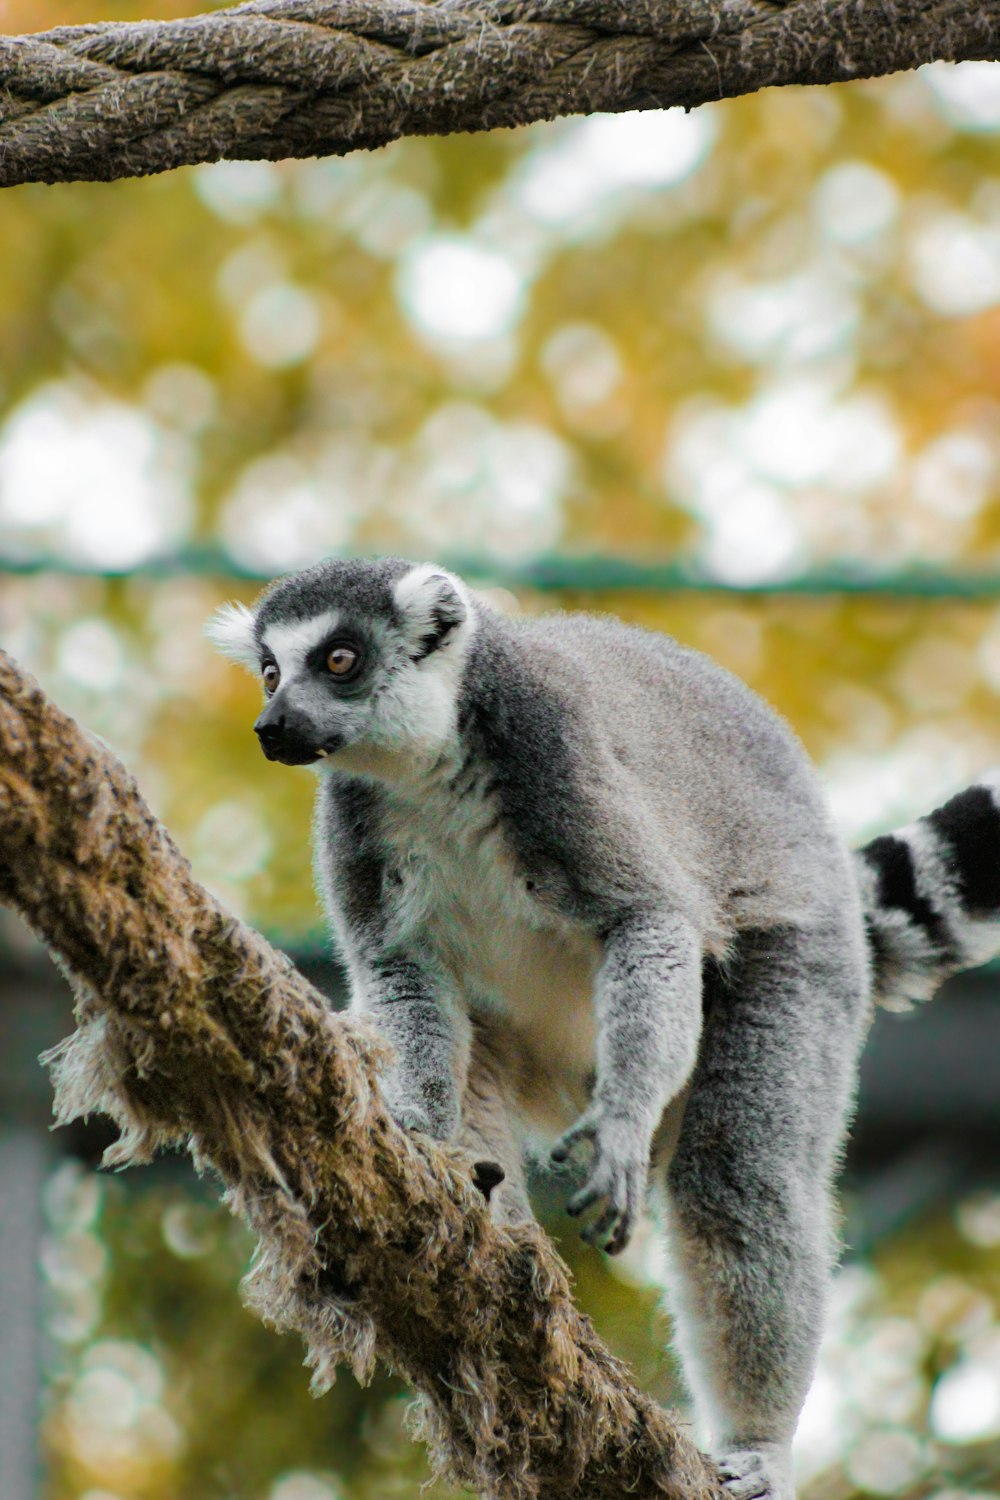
192	1030
281	78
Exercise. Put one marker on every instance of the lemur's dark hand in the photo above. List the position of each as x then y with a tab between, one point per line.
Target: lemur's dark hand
617	1181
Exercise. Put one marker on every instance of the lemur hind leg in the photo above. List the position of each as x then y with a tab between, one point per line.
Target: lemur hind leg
748	1216
487	1125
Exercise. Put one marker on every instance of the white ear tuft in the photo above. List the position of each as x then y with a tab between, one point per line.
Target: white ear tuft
434	603
231	631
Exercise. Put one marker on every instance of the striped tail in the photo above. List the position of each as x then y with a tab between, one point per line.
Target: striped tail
931	895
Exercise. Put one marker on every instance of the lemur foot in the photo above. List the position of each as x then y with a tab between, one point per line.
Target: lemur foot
753	1474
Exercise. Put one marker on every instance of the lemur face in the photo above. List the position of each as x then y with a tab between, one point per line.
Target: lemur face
360	662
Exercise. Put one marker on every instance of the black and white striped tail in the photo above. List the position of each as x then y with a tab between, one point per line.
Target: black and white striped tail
931	895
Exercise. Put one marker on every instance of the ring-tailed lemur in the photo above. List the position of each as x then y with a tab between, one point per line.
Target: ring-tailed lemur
586	884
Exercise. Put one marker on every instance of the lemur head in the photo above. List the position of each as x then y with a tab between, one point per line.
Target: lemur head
360	661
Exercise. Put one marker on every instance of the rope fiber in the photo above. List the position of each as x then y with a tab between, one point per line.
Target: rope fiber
294	78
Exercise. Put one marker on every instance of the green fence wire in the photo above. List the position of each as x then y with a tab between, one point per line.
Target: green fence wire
571	574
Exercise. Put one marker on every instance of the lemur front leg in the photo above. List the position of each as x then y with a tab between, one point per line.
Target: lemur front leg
648	1011
447	1078
414	1006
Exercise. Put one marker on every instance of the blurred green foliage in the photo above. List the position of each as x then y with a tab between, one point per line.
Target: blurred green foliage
761	338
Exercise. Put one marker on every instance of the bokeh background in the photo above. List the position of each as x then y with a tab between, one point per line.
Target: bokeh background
734	375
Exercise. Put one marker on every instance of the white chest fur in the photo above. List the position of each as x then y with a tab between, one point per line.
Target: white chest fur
460	890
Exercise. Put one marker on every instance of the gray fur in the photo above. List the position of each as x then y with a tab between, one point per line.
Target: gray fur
584	880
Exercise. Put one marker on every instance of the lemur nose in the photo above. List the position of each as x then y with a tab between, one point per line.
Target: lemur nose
269	733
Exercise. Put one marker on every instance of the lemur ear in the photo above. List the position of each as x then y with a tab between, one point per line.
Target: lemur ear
231	631
433	604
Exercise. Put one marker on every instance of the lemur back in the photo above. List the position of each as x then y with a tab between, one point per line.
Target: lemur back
585	883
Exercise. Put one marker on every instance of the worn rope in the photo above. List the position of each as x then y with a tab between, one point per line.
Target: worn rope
293	78
192	1031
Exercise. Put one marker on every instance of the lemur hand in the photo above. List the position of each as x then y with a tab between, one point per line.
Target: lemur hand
617	1178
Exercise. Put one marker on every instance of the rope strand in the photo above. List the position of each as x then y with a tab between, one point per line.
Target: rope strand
293	78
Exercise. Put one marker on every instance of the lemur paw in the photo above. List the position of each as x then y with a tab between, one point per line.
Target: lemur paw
617	1181
748	1474
411	1117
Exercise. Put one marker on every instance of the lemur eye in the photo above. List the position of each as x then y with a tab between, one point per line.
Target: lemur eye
342	661
271	677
